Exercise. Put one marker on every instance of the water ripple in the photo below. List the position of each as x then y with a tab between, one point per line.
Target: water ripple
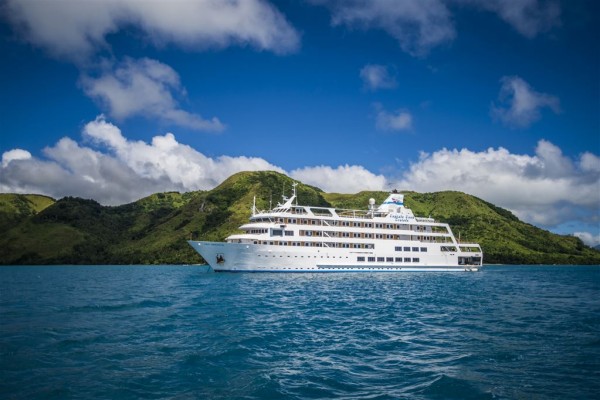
173	332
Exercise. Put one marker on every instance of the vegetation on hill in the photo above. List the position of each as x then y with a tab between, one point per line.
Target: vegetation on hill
155	229
17	207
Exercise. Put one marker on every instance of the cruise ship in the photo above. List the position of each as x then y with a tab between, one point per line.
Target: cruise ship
297	238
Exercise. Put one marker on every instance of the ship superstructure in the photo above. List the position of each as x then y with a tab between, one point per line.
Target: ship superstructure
297	238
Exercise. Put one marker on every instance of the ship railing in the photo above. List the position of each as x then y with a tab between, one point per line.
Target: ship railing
469	247
319	213
357	214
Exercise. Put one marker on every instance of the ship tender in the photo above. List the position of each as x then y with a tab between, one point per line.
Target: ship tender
296	238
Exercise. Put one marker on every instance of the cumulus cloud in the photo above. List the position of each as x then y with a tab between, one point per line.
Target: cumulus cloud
399	120
588	238
75	30
115	170
78	31
377	77
118	170
15	154
528	17
144	87
343	179
545	189
418	26
519	104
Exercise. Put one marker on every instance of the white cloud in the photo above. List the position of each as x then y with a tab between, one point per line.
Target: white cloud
377	77
129	171
418	26
545	189
520	104
15	154
399	120
76	30
117	170
343	179
528	17
590	163
421	25
144	87
588	238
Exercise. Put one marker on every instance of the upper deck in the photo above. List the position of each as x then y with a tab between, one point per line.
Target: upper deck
391	209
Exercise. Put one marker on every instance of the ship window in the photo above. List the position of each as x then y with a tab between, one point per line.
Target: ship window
289	233
407	249
360	259
380	259
415	260
406	259
423	249
415	249
389	259
276	232
371	259
398	259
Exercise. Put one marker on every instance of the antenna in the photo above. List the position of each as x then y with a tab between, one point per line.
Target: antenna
294	191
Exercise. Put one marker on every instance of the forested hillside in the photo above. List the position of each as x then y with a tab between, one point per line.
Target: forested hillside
39	230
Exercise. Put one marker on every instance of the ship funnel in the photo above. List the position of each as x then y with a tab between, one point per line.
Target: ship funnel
392	203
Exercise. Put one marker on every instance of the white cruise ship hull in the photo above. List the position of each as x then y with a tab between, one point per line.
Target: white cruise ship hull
247	257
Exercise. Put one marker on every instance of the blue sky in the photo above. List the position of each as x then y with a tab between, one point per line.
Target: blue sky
114	100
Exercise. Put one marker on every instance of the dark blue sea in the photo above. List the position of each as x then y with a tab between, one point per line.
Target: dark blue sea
178	332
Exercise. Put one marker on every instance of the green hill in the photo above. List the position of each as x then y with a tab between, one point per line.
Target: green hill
17	207
153	230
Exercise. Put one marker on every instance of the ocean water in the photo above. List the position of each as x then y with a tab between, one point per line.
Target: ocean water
177	332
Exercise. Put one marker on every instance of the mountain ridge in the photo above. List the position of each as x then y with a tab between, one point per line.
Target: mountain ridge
154	230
